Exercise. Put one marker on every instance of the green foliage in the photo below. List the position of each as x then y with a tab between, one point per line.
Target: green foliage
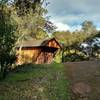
41	34
72	40
30	24
58	57
88	27
7	38
77	37
24	6
75	57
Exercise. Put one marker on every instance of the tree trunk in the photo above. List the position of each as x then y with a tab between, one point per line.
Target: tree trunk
62	55
3	72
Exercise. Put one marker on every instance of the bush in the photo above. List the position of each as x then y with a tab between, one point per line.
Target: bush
75	57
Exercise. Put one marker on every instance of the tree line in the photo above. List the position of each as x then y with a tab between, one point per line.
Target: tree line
72	41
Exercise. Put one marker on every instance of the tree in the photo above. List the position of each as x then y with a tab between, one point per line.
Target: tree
7	38
88	27
30	23
72	40
49	26
24	6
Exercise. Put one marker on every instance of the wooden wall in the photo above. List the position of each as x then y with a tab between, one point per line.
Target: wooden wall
45	57
53	43
27	55
35	55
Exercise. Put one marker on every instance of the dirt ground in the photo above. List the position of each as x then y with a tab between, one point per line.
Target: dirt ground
86	77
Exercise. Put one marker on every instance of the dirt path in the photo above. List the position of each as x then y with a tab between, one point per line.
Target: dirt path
84	78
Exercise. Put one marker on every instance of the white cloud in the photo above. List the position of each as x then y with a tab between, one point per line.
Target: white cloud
74	12
65	27
98	28
62	27
77	27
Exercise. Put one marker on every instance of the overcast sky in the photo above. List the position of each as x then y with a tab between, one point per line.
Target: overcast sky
69	14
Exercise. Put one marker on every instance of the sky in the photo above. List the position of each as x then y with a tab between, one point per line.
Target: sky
70	14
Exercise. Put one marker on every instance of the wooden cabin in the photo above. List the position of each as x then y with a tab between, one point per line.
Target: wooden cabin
37	51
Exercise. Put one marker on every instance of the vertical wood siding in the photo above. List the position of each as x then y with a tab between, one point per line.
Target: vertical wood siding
53	44
27	55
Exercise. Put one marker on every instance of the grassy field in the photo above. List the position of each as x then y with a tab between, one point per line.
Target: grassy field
36	82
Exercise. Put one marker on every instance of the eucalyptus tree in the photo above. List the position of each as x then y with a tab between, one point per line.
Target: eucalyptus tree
89	28
29	15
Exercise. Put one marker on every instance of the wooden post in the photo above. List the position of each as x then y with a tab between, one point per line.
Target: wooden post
62	52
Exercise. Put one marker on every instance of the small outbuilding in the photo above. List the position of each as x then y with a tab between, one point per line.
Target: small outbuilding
37	51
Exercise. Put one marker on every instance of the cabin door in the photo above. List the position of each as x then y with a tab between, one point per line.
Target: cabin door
44	57
48	57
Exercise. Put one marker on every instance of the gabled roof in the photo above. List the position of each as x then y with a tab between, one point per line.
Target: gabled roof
35	42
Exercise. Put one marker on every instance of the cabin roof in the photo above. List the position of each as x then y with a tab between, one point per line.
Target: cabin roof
30	43
35	42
